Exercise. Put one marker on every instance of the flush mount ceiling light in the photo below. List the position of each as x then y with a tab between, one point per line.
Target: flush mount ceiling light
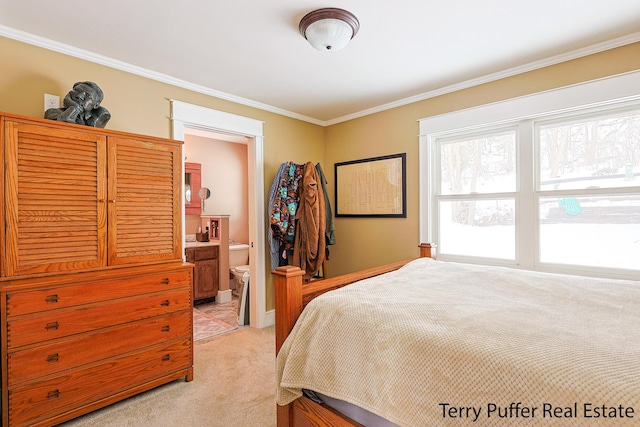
329	29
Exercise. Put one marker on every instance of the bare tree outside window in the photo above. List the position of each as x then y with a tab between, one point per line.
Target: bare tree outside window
474	170
578	160
588	153
587	191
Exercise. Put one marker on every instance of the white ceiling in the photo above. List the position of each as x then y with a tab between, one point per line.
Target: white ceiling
251	51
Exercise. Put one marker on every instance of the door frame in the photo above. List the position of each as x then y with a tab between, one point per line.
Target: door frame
185	116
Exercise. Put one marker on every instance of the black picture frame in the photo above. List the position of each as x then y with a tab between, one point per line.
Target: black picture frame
372	187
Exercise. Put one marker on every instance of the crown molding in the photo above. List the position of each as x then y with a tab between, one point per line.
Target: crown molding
553	60
143	72
86	55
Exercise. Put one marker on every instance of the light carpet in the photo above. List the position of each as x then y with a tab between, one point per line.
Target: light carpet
206	326
234	385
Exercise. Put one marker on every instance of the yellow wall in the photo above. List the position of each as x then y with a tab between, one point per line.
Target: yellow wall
366	242
141	105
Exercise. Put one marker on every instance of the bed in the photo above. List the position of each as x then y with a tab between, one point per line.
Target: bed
427	343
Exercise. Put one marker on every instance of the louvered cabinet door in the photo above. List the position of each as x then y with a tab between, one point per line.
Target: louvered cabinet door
143	201
55	199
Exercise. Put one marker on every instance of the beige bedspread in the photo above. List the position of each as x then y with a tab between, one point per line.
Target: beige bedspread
442	343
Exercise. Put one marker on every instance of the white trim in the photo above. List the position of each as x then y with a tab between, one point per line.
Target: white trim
527	245
133	69
184	115
425	181
610	91
143	72
198	116
531	66
270	317
601	91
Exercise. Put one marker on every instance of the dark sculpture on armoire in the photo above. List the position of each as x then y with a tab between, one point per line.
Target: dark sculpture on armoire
82	106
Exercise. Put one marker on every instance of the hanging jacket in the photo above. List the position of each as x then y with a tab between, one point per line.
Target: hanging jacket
309	248
285	206
330	229
274	243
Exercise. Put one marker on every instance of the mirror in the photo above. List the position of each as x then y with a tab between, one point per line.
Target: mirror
204	193
187	187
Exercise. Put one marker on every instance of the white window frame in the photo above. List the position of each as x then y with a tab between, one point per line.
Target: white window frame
521	112
437	197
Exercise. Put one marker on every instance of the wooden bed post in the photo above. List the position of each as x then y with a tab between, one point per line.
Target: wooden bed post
287	283
427	250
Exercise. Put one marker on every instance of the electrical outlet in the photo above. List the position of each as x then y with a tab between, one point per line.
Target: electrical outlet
51	101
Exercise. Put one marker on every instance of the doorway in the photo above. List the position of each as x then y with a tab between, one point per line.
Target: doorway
185	119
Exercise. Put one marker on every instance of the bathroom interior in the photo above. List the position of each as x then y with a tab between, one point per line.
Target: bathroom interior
223	171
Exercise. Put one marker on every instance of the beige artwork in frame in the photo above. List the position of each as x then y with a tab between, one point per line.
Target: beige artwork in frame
373	187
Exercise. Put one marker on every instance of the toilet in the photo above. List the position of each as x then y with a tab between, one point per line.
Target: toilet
238	265
240	278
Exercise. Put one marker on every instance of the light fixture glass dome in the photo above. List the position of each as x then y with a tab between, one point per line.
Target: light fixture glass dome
329	29
329	34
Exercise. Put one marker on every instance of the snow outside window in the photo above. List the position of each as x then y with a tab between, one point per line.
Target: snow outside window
549	181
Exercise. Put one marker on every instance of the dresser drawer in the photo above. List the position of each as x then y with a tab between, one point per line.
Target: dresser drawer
51	325
19	303
45	399
58	355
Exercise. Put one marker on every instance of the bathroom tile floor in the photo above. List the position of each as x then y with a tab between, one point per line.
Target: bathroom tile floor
227	312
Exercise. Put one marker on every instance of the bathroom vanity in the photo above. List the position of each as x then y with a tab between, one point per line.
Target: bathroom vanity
218	226
206	275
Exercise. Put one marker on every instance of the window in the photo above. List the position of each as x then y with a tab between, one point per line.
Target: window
512	184
476	197
589	203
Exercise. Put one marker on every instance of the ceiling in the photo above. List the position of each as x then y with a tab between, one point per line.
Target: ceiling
251	51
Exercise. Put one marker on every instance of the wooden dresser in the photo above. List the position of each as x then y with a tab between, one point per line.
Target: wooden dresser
95	300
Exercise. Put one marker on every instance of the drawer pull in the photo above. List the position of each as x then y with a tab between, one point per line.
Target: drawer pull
164	281
165	328
53	394
51	299
52	326
52	358
165	303
166	358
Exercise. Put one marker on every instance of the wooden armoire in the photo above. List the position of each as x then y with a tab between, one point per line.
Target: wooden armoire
95	299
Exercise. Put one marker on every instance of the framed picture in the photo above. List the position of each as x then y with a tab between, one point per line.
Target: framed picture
374	187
